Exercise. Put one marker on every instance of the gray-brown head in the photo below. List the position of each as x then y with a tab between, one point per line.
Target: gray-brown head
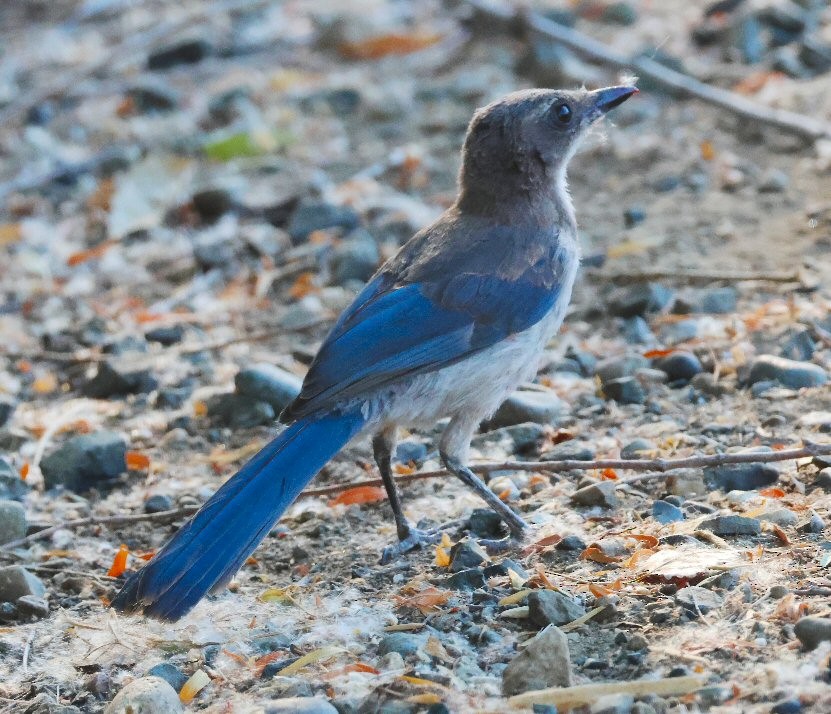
518	147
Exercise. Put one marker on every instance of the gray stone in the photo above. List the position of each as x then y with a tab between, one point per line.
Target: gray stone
146	695
239	411
529	406
268	383
732	525
617	367
800	346
639	300
665	512
157	503
780	517
815	54
32	606
170	673
167	335
597	494
679	366
698	599
114	379
742	477
572	450
636	331
466	554
613	704
811	631
16	581
551	607
789	373
150	97
7	407
485	523
355	258
774	181
12	487
543	663
675	333
470	579
212	203
571	542
12	521
188	51
300	705
85	461
718	301
626	390
404	643
637	449
814	524
822	481
524	437
318	216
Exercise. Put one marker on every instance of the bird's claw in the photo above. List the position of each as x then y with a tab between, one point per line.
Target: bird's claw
415	539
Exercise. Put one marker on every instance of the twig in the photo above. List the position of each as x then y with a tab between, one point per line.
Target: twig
696	276
659	466
793	122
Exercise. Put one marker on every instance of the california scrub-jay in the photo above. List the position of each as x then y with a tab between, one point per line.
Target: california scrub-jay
446	328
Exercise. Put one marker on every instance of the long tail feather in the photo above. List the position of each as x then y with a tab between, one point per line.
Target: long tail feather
206	552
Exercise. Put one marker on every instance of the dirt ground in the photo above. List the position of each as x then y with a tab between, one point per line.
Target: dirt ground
152	227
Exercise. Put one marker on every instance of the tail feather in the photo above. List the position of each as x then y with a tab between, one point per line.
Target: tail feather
206	552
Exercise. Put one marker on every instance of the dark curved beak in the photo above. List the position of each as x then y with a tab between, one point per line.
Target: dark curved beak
610	97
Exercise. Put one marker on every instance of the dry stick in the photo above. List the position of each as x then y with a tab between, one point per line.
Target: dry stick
656	466
696	276
793	122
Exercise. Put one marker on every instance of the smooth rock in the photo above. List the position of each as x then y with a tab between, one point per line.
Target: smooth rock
529	406
780	517
787	706
187	52
239	411
665	512
571	542
16	582
150	97
680	366
571	450
212	203
789	373
811	631
543	663
7	407
117	380
470	579
800	346
597	494
814	524
146	695
270	384
300	705
626	390
742	477
637	449
12	487
718	301
404	643
85	461
698	599
639	300
617	367
774	181
551	607
157	503
485	523
32	606
170	673
169	335
466	554
318	216
636	331
12	521
732	525
355	258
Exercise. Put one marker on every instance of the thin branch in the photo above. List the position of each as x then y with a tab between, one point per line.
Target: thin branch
793	122
698	276
654	466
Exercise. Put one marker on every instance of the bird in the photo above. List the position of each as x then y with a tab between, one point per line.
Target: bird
447	327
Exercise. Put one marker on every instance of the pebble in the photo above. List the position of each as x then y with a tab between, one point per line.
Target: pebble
12	521
7	407
470	579
665	512
718	301
300	705
789	373
811	631
572	450
187	52
116	380
268	383
780	517
145	695
85	461
626	390
800	346
152	97
466	554
529	406
822	481
636	331
597	494
32	606
543	663
773	181
619	13
551	607
16	582
355	258
741	477
680	367
170	673
312	217
815	54
634	215
639	300
677	332
239	411
617	367
485	523
787	706
637	449
212	203
169	335
404	643
158	503
497	569
12	487
732	525
814	524
613	704
571	542
698	599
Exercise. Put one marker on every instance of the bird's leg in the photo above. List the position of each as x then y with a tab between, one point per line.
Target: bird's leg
454	447
409	537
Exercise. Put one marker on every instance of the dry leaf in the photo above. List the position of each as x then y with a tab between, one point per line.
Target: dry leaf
394	43
197	682
136	461
359	494
119	562
425	601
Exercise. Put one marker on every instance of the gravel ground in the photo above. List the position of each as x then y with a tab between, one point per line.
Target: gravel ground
190	194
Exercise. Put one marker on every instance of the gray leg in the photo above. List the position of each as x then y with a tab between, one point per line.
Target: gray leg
409	537
455	443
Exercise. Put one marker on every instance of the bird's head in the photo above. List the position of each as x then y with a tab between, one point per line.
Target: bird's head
522	143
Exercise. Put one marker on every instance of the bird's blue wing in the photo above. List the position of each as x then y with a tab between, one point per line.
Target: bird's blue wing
393	331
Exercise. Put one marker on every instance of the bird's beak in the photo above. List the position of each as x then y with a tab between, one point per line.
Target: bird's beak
610	97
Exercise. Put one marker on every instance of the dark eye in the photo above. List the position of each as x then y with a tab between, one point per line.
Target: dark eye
563	112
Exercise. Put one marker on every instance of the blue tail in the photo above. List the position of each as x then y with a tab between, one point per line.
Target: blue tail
211	547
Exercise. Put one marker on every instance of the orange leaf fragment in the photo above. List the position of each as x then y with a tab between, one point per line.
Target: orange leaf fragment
146	556
361	667
10	233
393	43
251	560
304	285
442	557
708	151
119	562
359	494
608	475
781	535
404	469
544	543
772	492
652	354
97	251
595	554
649	541
200	409
599	590
45	384
756	81
136	461
426	600
24	471
504	495
633	559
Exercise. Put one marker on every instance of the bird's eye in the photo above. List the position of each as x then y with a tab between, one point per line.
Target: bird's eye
563	112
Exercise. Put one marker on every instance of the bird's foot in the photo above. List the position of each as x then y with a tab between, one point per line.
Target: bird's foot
498	546
415	538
